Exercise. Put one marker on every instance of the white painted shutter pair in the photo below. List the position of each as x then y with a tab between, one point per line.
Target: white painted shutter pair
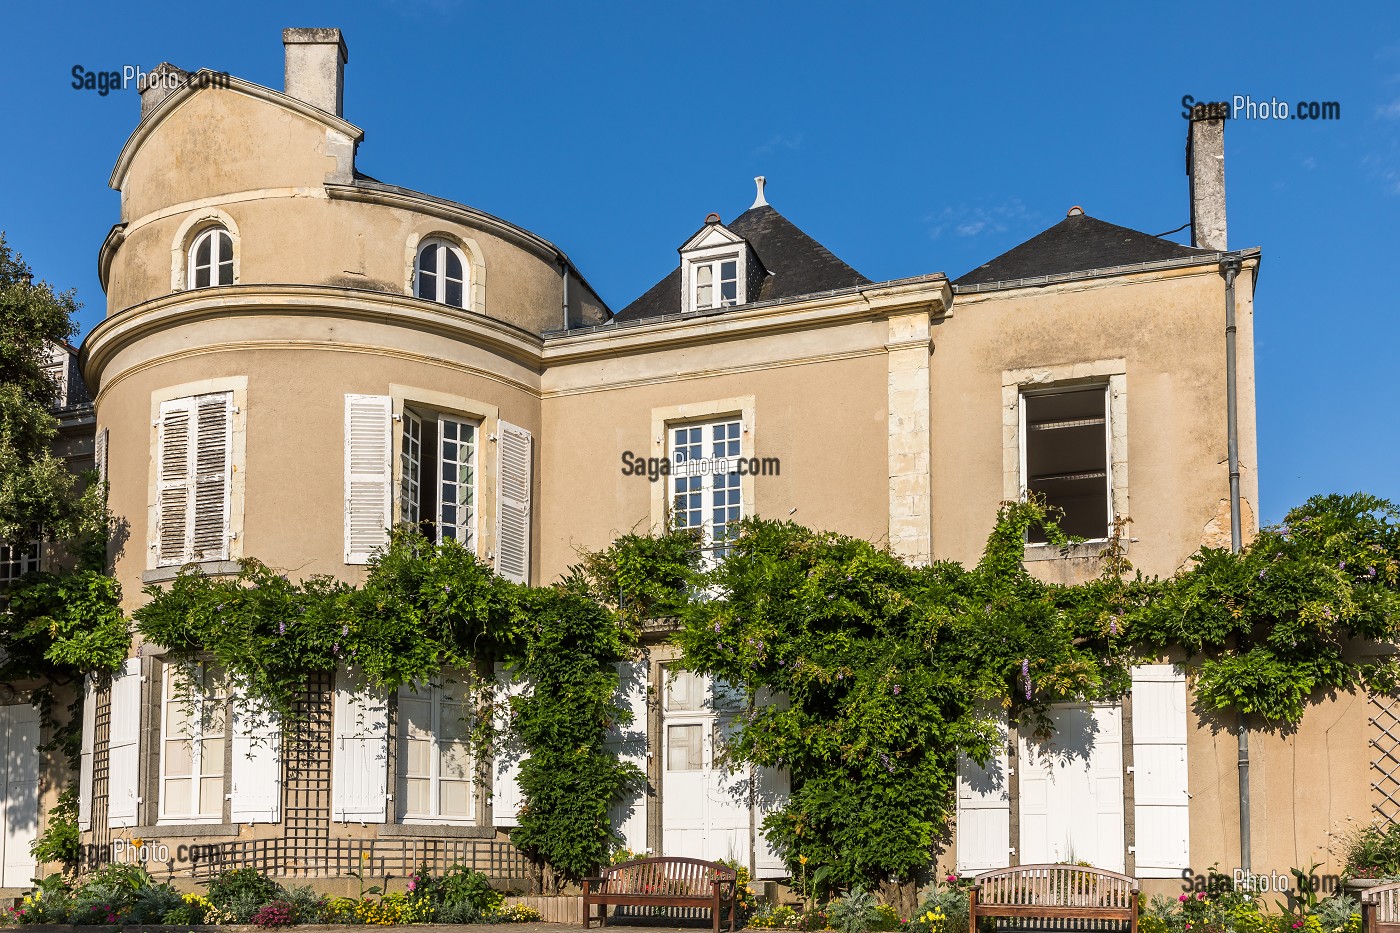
1161	802
123	763
255	774
359	752
19	792
507	754
984	809
87	748
369	486
194	463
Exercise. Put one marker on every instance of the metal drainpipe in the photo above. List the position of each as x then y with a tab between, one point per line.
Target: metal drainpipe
1229	267
565	266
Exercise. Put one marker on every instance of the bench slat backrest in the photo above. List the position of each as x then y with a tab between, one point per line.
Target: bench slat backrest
1384	900
663	876
1055	886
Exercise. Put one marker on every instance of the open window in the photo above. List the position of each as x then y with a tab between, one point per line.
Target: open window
435	761
438	475
1065	441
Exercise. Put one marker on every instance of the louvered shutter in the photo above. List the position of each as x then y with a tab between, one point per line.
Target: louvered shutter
212	447
99	455
85	760
359	752
173	493
368	449
256	769
19	778
984	809
507	753
513	504
629	743
123	764
771	789
1161	804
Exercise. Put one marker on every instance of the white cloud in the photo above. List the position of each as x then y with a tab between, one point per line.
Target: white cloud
971	220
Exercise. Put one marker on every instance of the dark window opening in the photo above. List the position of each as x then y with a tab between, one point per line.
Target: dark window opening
1066	446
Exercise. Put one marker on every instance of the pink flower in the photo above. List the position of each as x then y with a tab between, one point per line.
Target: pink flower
1200	895
952	878
1182	897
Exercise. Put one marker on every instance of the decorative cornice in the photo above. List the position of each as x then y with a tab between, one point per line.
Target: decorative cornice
203	80
140	321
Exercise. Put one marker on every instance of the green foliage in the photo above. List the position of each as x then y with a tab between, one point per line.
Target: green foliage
64	625
457	886
242	884
1372	851
61	841
861	912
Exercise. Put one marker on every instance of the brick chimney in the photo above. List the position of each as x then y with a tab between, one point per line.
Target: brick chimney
315	71
1205	164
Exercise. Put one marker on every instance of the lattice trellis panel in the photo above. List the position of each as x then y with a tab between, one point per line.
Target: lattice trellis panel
1385	761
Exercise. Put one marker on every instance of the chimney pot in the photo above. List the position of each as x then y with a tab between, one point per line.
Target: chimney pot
711	218
760	201
315	67
1205	164
1075	211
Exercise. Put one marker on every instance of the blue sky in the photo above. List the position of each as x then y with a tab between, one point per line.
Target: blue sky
907	137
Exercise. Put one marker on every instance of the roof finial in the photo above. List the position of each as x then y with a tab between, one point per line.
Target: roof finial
760	201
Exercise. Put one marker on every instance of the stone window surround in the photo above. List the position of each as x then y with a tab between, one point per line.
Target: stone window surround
198	222
1114	374
663	419
705	255
237	386
475	297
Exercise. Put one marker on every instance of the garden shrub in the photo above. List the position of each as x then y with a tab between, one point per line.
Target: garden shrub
275	914
152	903
242	885
1372	851
860	912
785	918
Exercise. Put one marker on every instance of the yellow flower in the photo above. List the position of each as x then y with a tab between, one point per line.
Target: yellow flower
802	859
137	843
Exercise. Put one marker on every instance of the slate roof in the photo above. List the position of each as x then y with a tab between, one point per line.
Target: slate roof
1076	244
796	265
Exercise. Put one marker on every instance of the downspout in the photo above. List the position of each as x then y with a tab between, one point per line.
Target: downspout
1230	267
563	263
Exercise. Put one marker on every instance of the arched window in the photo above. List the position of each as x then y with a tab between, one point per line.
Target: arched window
211	259
441	273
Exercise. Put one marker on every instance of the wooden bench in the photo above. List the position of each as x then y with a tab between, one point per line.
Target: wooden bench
1054	892
1380	908
663	882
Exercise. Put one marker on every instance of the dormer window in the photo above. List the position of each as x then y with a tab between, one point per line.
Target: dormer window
716	283
716	268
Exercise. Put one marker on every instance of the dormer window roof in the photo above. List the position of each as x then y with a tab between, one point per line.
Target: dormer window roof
716	266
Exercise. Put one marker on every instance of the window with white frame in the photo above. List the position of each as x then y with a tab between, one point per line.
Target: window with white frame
438	476
440	272
434	755
194	716
194	472
705	481
211	259
1065	444
18	559
715	283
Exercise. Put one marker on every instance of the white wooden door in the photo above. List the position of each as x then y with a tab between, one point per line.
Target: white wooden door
705	812
1071	789
19	793
984	810
1161	802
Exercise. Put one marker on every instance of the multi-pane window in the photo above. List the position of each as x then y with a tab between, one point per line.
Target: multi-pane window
716	283
705	488
441	273
194	709
1065	442
435	764
18	559
437	476
211	259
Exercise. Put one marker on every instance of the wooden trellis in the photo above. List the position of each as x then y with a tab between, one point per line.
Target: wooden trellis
1385	765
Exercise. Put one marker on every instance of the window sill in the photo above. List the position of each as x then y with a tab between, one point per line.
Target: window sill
1085	550
210	568
184	830
438	830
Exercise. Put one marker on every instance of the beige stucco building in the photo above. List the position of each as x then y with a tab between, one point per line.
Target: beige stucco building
297	356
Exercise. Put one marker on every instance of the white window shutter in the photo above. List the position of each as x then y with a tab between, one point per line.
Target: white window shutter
984	809
173	483
213	447
1161	802
506	797
99	455
771	789
629	815
20	744
513	503
256	769
123	763
86	753
359	752
368	449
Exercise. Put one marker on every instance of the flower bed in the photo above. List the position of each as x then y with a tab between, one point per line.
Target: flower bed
126	894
